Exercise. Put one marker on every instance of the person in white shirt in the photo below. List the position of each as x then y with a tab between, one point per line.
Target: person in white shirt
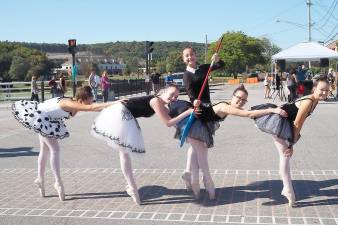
267	83
34	89
94	83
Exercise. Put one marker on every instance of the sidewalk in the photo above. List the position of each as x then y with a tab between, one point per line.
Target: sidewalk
243	163
5	105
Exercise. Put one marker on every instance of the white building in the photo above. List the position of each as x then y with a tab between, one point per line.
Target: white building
65	67
103	62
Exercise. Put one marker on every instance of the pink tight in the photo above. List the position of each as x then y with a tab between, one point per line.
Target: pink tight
284	165
197	158
127	170
49	145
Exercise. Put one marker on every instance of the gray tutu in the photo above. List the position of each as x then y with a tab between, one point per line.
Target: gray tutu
275	124
202	131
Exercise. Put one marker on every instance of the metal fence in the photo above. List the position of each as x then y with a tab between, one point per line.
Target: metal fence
12	91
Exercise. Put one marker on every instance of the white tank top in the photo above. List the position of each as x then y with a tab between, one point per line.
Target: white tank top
53	109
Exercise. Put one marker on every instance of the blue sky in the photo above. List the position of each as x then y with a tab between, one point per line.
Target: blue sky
97	21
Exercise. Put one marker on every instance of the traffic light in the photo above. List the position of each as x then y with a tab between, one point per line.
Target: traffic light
71	50
149	49
71	46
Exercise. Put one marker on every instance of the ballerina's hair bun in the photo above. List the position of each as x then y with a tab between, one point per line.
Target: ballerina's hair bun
241	88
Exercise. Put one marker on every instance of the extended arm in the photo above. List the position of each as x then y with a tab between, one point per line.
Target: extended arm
230	110
69	105
162	113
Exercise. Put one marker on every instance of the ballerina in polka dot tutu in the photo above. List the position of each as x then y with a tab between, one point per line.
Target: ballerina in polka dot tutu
47	119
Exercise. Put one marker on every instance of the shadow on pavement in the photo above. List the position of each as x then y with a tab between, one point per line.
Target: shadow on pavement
270	189
15	152
151	195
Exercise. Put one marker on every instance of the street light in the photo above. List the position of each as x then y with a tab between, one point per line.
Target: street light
292	23
302	26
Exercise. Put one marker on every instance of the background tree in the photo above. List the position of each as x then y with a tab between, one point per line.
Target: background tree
5	65
39	66
174	62
269	50
19	68
133	65
161	66
20	63
127	70
239	51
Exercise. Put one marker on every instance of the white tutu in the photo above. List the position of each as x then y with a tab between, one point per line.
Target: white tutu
118	127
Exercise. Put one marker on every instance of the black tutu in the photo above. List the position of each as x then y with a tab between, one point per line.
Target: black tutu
200	130
275	124
178	107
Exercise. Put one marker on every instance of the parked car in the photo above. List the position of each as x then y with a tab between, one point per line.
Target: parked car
260	76
177	79
253	75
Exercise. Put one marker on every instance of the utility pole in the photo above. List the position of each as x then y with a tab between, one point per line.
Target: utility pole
309	16
206	49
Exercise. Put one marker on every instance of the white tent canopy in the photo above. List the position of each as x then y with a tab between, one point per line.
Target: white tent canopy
307	51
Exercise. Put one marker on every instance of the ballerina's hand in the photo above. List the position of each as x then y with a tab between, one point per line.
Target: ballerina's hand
198	111
215	58
280	112
197	103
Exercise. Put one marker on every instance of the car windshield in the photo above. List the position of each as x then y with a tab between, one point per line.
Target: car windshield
177	76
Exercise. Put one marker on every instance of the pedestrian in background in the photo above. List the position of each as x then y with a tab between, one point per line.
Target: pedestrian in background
63	85
53	87
291	83
94	82
267	84
34	89
155	79
105	85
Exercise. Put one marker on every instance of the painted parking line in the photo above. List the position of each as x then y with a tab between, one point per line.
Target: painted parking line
243	196
71	171
179	217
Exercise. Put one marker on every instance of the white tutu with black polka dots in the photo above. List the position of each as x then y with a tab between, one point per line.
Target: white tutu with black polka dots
31	115
118	127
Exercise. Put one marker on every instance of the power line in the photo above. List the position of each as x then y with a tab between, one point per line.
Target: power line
315	24
279	13
328	38
334	7
326	11
278	32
